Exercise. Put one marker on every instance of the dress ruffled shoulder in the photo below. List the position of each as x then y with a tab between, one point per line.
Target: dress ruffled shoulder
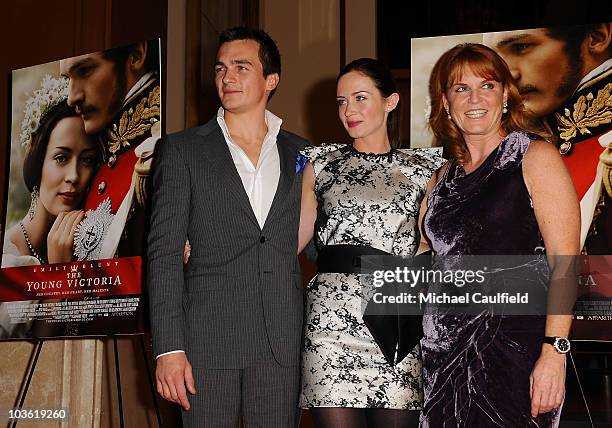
421	162
427	157
320	155
513	149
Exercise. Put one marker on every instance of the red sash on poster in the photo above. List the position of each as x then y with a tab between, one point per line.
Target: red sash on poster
582	164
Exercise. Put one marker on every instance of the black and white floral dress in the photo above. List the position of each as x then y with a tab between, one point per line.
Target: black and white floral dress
363	199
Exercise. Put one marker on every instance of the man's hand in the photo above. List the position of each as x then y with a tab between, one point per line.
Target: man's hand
173	374
547	381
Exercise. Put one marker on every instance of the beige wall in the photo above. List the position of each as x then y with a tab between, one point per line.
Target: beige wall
360	29
67	376
45	391
308	35
79	375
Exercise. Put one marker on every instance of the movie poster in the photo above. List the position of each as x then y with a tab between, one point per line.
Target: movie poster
83	134
570	90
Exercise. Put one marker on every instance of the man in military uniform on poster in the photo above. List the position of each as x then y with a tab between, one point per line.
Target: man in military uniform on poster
565	77
117	93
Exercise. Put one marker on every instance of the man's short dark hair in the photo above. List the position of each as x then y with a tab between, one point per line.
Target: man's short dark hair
269	56
572	36
118	56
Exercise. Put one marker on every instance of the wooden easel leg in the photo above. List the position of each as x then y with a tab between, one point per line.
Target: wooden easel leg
118	378
23	391
151	385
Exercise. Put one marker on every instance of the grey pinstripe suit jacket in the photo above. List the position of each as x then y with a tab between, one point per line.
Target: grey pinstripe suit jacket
241	293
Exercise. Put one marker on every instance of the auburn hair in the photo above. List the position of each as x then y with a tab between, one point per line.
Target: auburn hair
486	63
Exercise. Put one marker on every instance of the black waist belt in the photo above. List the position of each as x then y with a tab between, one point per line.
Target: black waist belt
344	258
395	334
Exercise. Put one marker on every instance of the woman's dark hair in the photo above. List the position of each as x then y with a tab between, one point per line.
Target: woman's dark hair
384	82
483	62
35	153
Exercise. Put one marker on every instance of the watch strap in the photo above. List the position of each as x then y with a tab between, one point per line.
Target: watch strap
555	342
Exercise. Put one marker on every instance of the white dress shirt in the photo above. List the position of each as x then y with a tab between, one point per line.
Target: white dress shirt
260	181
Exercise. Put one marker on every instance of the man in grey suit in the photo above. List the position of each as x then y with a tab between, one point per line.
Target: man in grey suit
227	328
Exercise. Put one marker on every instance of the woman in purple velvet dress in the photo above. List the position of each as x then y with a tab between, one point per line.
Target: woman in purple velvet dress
505	191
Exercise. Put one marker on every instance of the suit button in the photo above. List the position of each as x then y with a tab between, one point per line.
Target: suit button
262	239
101	188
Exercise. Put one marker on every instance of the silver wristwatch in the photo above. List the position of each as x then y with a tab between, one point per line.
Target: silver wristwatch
561	344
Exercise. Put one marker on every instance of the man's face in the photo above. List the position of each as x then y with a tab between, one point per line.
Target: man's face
545	75
239	78
96	89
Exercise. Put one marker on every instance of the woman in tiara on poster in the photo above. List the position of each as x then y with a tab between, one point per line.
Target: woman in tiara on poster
59	162
504	191
360	199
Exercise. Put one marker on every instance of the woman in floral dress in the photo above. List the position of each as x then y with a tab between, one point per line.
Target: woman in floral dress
359	199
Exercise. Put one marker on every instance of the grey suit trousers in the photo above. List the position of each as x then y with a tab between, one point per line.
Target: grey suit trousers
265	393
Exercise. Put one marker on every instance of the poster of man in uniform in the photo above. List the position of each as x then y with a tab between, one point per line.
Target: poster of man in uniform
83	134
564	75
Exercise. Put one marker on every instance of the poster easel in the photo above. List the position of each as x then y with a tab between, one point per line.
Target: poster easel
33	360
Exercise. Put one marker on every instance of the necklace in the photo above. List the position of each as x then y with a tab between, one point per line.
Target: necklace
32	250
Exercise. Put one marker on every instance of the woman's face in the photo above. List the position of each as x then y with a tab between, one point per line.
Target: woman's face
69	164
475	105
362	108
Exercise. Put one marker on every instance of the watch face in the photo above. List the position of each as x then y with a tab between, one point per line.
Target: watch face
562	345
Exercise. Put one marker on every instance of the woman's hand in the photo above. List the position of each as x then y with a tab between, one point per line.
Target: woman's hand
60	239
547	381
186	252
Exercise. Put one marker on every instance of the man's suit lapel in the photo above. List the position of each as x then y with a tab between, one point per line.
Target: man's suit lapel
287	174
216	152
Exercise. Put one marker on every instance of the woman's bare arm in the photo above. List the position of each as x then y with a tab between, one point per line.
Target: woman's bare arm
308	213
557	211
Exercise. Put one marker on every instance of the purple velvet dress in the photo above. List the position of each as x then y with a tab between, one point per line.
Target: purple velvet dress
476	367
